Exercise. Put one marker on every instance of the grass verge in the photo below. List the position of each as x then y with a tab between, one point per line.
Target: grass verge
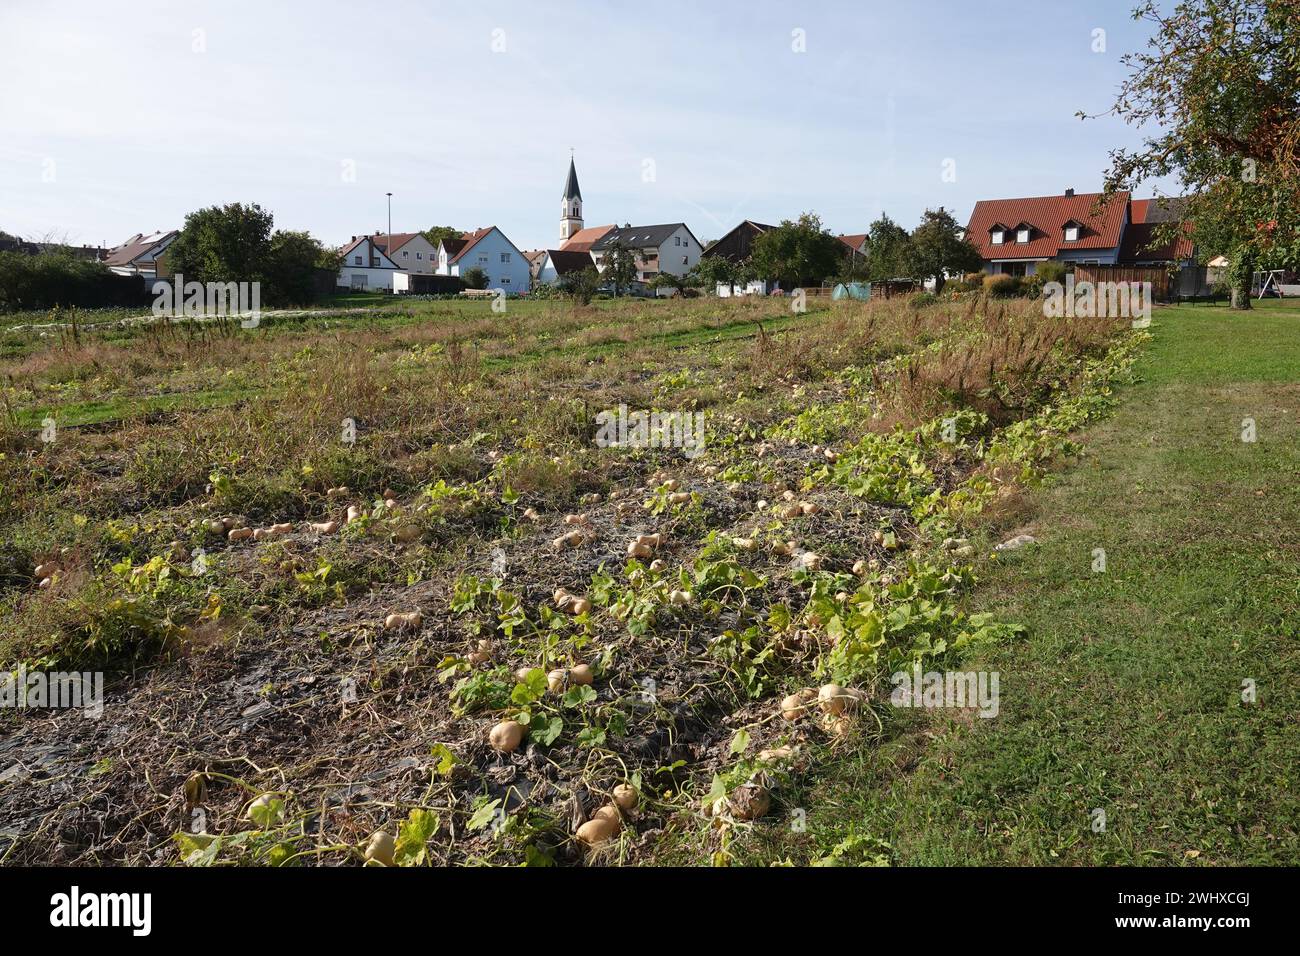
1127	695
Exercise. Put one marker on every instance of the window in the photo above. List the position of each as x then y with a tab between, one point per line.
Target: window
505	257
419	255
677	240
405	254
1022	235
1071	233
997	237
357	260
505	280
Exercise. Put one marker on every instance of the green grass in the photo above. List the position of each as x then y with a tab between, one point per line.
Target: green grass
1126	693
121	408
394	314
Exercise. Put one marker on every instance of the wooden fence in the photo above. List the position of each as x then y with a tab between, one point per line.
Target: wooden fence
1160	278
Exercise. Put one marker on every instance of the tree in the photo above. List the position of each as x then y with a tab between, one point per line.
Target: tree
292	261
713	271
437	234
1221	84
475	278
235	243
938	246
581	286
888	249
690	279
797	252
229	243
618	266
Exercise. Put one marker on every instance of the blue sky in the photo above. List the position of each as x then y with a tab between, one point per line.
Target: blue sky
119	119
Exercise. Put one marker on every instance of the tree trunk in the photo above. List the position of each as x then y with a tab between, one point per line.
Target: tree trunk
1241	274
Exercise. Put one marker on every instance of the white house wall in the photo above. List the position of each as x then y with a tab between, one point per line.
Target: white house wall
418	256
513	275
376	278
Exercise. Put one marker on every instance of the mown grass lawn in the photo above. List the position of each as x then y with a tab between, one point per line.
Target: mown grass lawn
1126	694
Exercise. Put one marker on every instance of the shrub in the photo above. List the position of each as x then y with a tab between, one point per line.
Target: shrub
52	279
922	300
581	286
1051	272
1003	286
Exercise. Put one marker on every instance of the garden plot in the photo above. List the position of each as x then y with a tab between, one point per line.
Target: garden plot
473	636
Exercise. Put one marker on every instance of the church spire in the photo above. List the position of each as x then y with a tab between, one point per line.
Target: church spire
571	190
570	205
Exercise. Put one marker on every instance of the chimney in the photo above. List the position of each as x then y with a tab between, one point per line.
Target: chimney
1069	192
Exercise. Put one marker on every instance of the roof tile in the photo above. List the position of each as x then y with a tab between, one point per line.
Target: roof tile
1048	216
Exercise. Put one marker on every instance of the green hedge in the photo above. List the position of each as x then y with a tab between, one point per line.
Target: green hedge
54	279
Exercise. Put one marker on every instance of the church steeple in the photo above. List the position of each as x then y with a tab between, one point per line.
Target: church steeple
571	205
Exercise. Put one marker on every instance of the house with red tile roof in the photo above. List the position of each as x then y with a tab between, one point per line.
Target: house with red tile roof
1142	245
856	246
410	251
536	258
1014	235
487	249
584	239
364	267
139	255
856	243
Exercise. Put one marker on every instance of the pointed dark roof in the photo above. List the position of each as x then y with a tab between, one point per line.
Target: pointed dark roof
566	262
640	237
571	190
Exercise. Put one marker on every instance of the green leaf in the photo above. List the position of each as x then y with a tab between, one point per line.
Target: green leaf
446	759
535	857
197	849
579	695
413	836
740	742
531	688
484	815
268	814
280	854
544	730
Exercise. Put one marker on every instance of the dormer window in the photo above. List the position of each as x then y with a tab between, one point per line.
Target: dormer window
1072	229
997	234
1024	232
997	237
